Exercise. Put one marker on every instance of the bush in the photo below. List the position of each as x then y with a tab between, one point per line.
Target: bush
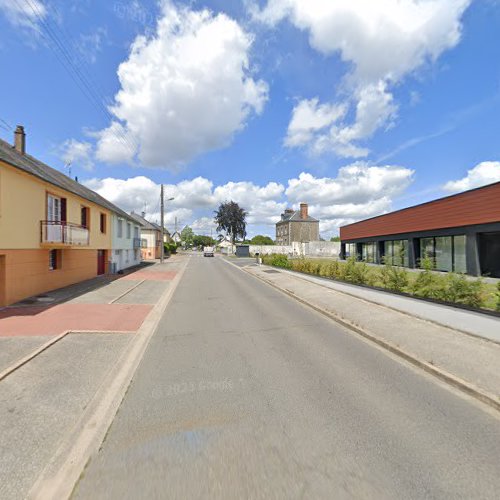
427	284
279	260
461	290
497	293
394	278
355	272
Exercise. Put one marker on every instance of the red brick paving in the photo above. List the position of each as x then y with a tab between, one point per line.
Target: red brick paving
57	319
151	275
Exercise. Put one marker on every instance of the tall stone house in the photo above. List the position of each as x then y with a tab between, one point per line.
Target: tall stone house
297	226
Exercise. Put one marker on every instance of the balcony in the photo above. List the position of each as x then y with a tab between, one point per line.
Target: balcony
137	243
64	234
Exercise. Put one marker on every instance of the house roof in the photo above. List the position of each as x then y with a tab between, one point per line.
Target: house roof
145	223
31	165
295	217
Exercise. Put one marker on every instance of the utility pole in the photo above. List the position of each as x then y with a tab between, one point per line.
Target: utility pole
162	251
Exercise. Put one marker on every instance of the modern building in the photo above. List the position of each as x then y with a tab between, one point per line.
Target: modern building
150	237
297	226
126	242
53	230
460	233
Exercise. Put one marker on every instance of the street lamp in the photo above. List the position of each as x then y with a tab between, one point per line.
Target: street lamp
162	250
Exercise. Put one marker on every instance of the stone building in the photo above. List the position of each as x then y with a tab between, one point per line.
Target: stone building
297	226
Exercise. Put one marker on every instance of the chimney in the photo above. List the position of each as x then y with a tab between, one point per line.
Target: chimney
20	139
303	211
143	214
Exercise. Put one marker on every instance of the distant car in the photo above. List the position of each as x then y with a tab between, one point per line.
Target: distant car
208	251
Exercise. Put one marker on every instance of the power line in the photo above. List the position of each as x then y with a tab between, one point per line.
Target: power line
5	125
84	83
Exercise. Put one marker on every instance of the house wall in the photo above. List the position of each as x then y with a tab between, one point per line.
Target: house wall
24	260
304	231
23	204
26	272
151	250
123	254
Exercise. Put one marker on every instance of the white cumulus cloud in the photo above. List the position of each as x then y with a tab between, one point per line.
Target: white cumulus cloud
77	153
482	174
24	14
383	41
185	90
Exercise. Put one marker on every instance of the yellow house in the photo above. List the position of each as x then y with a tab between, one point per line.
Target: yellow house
53	231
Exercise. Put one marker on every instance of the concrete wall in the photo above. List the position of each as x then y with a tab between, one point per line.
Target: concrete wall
311	249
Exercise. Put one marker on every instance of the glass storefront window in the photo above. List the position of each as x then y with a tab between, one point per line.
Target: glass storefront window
350	250
368	252
459	258
396	253
444	253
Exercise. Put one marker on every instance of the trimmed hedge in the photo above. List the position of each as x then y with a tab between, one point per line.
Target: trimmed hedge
449	287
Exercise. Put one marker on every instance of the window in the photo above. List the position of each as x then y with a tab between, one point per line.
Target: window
129	229
54	259
368	252
144	243
459	259
350	250
396	253
136	232
120	228
85	217
446	252
103	223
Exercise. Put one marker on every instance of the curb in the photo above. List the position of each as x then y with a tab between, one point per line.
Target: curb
62	473
456	382
304	277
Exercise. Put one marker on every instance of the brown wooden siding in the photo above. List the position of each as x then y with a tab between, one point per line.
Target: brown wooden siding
478	206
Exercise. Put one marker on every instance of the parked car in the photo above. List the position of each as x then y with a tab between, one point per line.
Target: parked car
208	251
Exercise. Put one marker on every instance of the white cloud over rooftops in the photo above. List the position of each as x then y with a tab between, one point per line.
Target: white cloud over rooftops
357	192
486	172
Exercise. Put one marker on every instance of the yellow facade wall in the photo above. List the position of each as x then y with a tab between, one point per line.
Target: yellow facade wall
26	272
23	200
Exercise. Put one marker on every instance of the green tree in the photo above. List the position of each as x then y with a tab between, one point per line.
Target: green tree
231	218
203	241
261	240
187	236
335	238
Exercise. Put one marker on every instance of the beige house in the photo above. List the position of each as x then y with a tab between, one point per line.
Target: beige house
297	226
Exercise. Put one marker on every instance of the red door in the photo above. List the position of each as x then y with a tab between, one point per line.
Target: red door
101	261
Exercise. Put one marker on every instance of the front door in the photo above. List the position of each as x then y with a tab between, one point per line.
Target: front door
3	280
101	261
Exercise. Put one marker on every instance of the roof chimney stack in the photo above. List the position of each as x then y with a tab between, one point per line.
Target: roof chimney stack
143	214
20	139
303	211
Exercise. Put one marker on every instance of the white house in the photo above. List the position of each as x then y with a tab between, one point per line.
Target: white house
126	242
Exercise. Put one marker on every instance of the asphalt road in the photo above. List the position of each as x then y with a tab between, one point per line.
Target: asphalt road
245	393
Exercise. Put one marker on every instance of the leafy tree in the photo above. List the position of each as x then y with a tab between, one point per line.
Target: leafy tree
335	238
203	241
230	217
261	240
187	236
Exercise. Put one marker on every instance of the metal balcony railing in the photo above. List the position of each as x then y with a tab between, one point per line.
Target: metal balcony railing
63	233
137	242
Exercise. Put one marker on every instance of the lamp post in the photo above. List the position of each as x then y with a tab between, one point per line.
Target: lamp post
162	250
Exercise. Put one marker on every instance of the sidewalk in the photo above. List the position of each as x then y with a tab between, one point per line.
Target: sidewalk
470	363
44	399
475	323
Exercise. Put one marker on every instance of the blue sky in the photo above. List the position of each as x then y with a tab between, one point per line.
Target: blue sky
356	108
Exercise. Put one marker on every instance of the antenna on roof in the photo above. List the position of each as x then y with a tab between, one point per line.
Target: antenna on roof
68	167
